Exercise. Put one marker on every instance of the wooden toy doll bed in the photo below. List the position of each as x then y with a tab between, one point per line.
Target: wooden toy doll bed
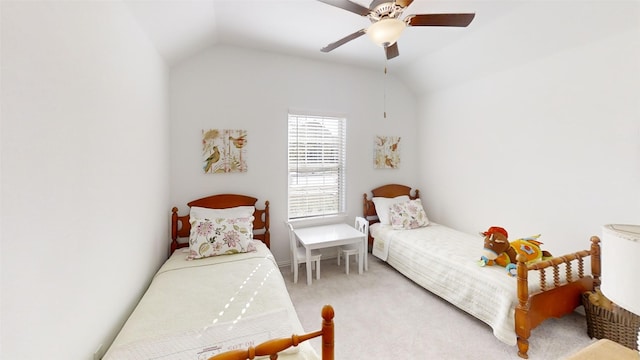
444	261
195	309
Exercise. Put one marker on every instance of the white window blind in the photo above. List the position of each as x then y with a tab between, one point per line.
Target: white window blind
317	159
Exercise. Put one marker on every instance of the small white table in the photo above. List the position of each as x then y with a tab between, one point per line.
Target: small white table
324	236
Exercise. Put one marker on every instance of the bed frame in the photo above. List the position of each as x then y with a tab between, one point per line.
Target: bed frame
387	191
180	227
532	309
274	346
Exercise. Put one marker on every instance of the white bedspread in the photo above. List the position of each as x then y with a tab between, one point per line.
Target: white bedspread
196	309
444	261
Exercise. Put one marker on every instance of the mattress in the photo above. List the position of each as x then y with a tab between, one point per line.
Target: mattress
445	262
196	309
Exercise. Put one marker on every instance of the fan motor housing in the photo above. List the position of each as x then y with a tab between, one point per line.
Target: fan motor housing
385	10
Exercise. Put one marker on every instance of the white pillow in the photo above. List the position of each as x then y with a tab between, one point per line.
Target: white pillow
383	205
197	212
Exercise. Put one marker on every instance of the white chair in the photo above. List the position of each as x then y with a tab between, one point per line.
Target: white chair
352	249
299	256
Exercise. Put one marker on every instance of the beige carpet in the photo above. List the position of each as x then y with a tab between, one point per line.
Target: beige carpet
383	315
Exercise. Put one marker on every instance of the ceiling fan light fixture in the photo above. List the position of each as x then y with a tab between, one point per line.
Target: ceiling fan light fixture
386	31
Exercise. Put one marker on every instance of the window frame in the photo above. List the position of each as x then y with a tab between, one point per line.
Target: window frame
316	146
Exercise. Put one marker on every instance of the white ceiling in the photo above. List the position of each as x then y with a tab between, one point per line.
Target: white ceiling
503	34
181	28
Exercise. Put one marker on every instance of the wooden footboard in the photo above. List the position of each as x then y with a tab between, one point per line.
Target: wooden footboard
562	298
274	346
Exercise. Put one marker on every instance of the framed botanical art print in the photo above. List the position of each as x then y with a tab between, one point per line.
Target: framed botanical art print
386	153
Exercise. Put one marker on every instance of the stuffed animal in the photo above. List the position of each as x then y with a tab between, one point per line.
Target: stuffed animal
498	250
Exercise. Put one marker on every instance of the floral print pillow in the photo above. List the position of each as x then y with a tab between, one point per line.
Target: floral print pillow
408	215
220	236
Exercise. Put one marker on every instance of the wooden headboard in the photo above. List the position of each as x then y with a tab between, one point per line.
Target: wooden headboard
180	227
387	191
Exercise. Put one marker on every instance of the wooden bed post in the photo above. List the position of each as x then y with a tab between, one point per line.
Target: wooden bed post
364	205
595	261
267	234
368	211
174	229
523	324
272	347
327	332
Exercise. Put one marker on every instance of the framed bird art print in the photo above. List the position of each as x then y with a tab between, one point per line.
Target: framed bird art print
223	151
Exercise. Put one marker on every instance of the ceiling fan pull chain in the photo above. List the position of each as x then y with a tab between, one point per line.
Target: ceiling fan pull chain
384	105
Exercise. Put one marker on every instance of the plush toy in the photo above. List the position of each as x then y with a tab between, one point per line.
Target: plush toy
498	250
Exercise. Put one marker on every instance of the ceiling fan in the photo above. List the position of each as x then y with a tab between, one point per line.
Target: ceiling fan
386	25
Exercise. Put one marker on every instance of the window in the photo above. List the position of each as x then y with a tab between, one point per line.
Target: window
317	158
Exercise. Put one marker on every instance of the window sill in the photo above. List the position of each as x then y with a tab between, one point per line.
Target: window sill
319	220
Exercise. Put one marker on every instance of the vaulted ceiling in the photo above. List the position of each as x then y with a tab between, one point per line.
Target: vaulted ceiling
179	28
503	32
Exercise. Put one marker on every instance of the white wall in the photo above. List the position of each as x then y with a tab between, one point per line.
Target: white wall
233	88
549	143
84	175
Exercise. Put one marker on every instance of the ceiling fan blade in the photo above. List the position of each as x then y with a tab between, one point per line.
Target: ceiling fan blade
460	20
404	3
392	51
349	6
344	40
